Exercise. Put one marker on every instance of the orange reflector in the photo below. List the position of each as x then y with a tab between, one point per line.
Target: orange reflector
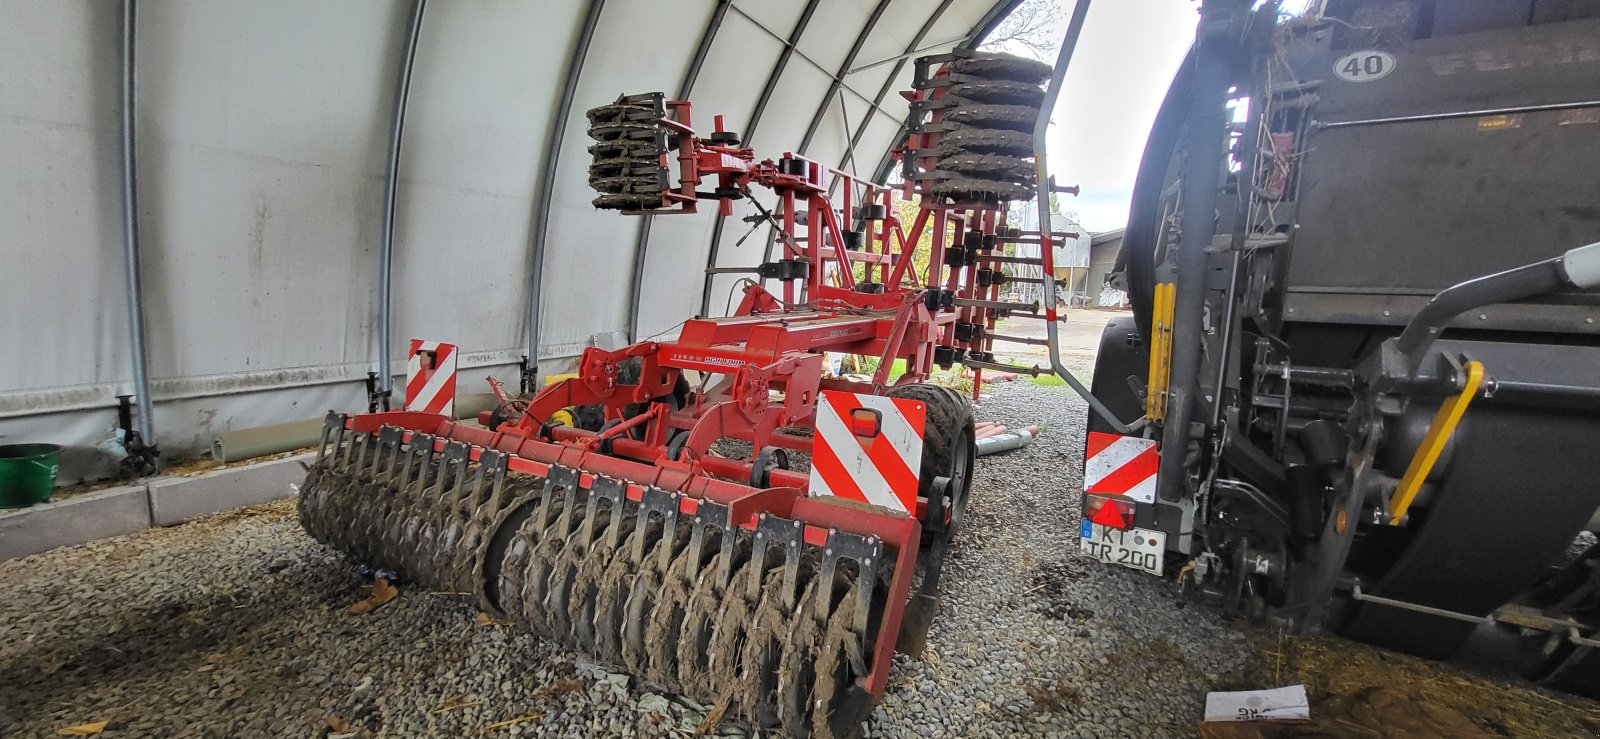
1114	511
867	422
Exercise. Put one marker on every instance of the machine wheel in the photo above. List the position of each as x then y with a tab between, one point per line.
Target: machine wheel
948	450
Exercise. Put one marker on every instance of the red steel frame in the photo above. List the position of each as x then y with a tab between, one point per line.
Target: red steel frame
763	365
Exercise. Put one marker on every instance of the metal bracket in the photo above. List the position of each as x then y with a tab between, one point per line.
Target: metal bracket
782	532
657	502
561	481
709	515
867	552
614	491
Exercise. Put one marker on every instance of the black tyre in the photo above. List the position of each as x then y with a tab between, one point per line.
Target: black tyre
948	447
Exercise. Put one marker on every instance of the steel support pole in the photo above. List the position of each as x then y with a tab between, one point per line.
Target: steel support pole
1208	129
145	446
749	133
547	182
685	88
390	186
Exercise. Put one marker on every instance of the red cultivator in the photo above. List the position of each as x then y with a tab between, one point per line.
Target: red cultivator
646	510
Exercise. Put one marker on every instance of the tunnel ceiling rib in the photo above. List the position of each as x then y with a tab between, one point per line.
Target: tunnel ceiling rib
838	78
888	83
984	27
545	194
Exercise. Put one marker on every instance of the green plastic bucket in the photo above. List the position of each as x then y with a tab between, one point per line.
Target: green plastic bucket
27	473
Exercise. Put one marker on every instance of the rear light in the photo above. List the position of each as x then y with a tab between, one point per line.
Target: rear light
866	422
1114	511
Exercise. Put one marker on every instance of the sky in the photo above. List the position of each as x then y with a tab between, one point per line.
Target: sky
1119	74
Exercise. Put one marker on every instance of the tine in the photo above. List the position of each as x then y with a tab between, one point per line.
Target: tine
492	464
774	531
669	530
329	423
591	511
867	552
708	515
422	449
456	457
655	502
616	491
565	480
867	581
413	456
340	450
390	439
725	569
363	453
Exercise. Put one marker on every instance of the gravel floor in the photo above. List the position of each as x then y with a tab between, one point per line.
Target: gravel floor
235	626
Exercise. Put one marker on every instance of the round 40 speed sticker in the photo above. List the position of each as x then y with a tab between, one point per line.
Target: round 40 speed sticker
1364	66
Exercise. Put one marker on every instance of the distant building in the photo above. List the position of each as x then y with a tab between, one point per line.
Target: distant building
1070	257
1103	250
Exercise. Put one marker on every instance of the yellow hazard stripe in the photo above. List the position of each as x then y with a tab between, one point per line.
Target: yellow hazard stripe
1155	401
1427	454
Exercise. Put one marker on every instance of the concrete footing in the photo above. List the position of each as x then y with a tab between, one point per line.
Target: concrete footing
159	501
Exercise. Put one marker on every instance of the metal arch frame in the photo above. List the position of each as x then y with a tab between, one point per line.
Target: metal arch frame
877	106
985	26
900	63
839	78
844	69
547	179
641	244
384	387
789	51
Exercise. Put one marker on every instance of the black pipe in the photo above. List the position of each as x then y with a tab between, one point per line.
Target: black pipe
547	183
1513	284
1208	129
385	379
1137	257
144	446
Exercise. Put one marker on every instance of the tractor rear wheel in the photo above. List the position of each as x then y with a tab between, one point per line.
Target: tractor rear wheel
948	450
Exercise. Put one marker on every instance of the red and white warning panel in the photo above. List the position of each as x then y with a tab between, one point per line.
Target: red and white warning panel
1119	471
868	448
1121	465
431	377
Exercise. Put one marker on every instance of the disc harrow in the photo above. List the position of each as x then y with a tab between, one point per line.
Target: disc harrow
763	619
601	512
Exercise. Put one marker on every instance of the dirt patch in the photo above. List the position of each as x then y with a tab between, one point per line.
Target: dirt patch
1053	590
1059	697
1361	691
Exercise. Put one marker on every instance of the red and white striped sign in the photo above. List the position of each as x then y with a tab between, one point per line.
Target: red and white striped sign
880	469
1121	465
431	377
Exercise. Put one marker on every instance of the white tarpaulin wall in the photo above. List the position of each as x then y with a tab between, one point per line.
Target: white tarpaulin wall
263	131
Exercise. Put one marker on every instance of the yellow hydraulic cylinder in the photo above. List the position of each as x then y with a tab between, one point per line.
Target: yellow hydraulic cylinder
1155	400
1427	454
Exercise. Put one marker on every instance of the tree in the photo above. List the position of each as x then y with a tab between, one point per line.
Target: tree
1028	31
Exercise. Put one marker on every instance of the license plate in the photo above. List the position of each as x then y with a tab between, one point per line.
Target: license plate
1141	549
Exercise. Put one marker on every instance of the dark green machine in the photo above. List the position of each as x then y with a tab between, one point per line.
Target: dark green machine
1380	324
